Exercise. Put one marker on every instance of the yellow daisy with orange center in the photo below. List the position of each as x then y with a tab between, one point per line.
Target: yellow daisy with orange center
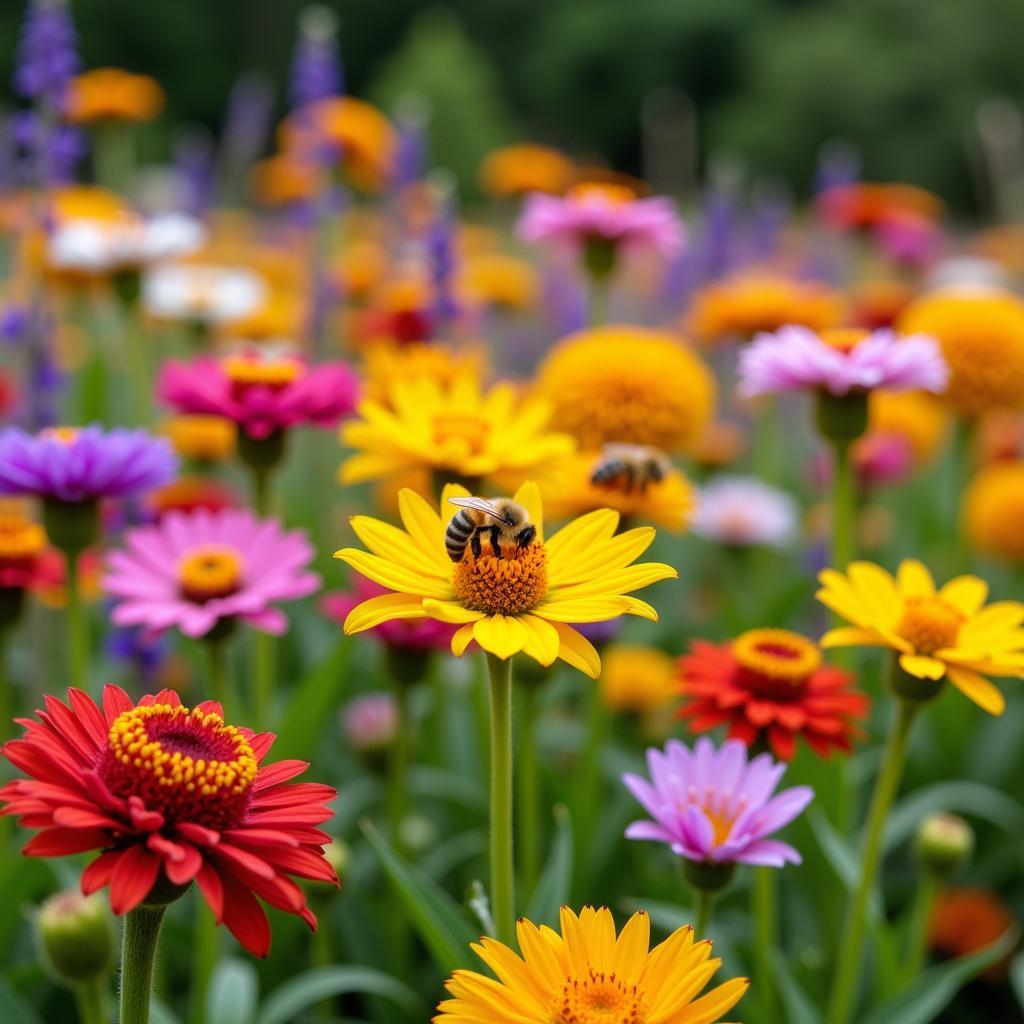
511	601
946	633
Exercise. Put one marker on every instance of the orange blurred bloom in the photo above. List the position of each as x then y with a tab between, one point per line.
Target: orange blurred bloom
868	205
965	920
282	179
516	170
113	94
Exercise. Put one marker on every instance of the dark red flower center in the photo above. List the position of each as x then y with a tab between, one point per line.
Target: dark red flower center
775	662
188	765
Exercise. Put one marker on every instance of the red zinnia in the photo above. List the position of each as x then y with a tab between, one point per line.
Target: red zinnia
170	794
770	685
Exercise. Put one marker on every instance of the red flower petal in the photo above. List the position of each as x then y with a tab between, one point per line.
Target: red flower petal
57	842
132	878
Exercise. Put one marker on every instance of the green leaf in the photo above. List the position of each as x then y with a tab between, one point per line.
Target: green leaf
1017	977
233	993
311	707
438	919
555	882
967	797
285	1004
799	1009
435	783
13	1008
159	1013
936	987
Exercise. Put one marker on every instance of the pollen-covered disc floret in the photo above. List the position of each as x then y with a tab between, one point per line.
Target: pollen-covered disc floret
599	998
187	765
503	586
247	371
775	662
929	624
210	572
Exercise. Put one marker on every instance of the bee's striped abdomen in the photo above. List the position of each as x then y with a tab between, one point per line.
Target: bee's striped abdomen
456	537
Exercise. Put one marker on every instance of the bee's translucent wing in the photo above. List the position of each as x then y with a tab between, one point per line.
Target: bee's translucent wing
481	505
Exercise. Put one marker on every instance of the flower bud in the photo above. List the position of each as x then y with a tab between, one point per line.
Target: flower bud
943	843
76	937
370	724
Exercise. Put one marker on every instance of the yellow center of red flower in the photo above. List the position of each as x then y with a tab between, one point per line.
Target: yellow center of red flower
845	339
599	998
503	586
210	572
775	662
187	765
21	540
929	624
248	371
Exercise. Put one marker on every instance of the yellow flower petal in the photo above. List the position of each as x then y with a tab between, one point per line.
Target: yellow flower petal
502	635
573	564
391	543
710	1008
877	589
634	606
990	622
851	636
965	593
620	581
589	609
383	609
393	576
542	641
921	666
581	533
420	518
576	650
978	689
914	579
366	466
461	640
450	611
528	496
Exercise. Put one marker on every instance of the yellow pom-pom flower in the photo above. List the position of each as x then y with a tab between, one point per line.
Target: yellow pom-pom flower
949	633
993	510
982	337
586	975
627	385
457	430
510	601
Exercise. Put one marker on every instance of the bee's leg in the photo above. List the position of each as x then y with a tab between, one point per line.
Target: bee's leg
474	542
496	541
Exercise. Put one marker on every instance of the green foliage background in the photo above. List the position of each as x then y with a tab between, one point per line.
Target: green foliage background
772	79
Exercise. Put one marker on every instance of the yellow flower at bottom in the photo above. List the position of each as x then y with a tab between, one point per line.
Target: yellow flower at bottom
587	975
948	633
523	600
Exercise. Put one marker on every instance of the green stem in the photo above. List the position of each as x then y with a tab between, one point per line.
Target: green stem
264	657
588	789
89	1000
77	627
205	954
597	307
703	902
261	491
220	683
844	508
322	955
844	988
529	789
502	867
765	910
917	929
138	955
398	768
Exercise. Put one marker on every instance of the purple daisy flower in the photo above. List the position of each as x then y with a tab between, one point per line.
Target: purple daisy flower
716	805
82	464
797	359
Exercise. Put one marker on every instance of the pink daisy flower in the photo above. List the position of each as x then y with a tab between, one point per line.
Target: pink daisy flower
839	362
598	212
262	392
192	571
717	805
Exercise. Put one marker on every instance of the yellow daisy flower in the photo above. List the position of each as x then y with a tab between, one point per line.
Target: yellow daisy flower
455	430
939	634
587	975
522	601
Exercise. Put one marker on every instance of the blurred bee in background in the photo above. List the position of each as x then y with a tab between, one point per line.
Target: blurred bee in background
507	522
630	466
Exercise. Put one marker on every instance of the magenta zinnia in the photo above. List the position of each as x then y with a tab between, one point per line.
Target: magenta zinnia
121	781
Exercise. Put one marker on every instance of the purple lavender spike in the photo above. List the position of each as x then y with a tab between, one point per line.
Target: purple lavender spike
316	72
769	214
47	57
441	249
839	163
193	164
411	118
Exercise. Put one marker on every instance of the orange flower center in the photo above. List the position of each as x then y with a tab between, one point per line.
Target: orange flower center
187	765
503	586
209	573
599	998
21	540
618	194
246	371
929	624
775	662
63	435
845	339
464	431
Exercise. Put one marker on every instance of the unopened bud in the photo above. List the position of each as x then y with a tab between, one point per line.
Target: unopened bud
943	843
76	936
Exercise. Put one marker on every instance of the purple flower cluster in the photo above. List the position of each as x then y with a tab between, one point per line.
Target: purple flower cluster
717	805
80	465
316	71
47	55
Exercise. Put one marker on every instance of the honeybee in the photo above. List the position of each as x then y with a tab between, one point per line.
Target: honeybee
506	521
631	466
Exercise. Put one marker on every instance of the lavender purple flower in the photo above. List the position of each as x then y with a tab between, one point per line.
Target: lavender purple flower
316	71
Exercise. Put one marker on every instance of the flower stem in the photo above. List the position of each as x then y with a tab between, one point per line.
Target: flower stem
77	627
529	789
765	910
264	656
597	305
502	867
703	902
205	953
89	1002
917	930
138	955
220	685
844	508
398	768
590	778
844	988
